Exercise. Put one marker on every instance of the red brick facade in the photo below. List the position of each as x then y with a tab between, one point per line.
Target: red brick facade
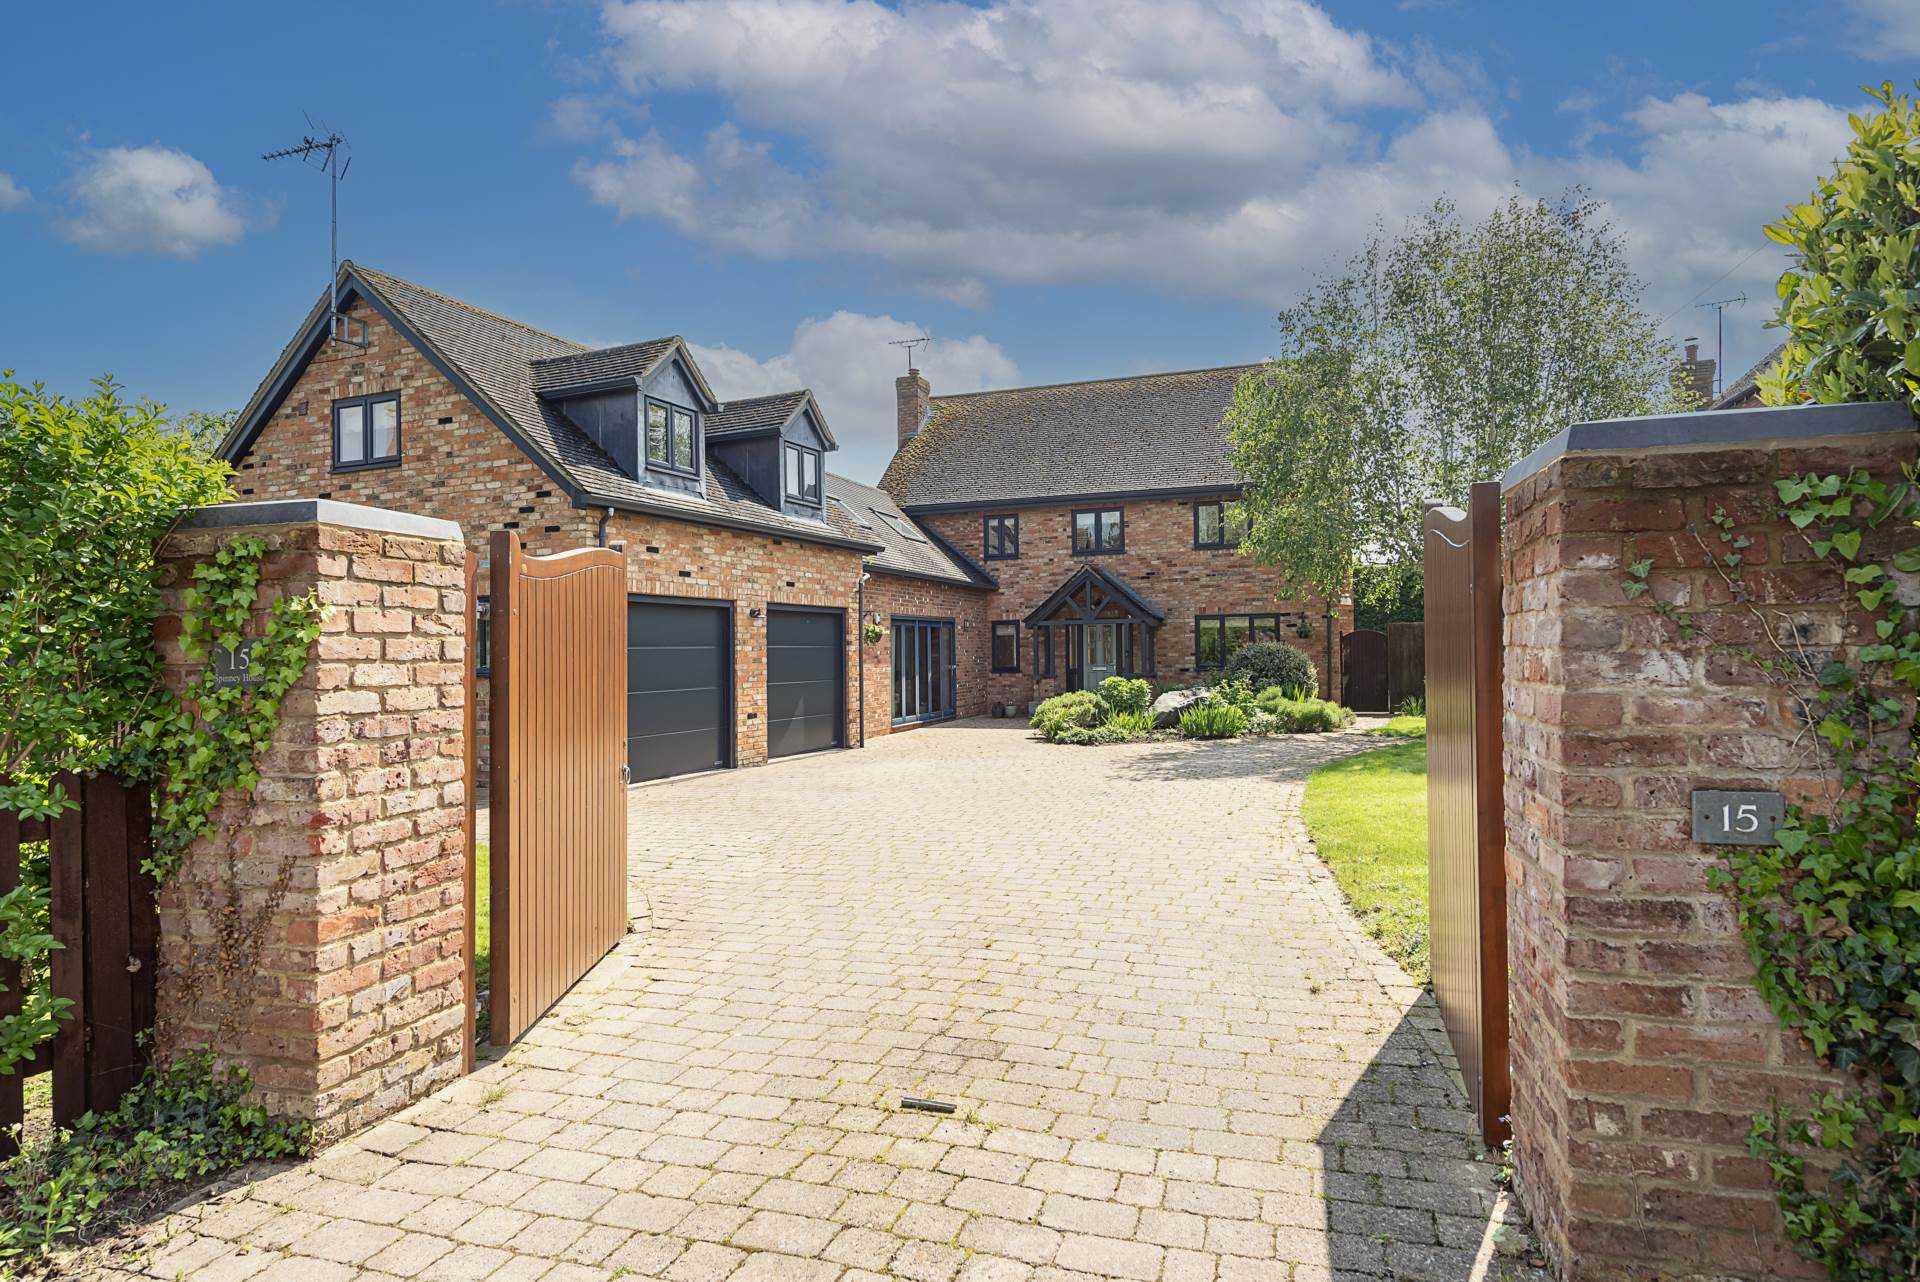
457	465
892	596
1160	563
1640	1048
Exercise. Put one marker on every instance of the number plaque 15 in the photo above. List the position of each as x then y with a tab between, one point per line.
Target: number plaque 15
1722	818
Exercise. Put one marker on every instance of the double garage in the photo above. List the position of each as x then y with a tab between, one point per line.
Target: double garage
680	683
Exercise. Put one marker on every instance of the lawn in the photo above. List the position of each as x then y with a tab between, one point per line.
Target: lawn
1403	728
1368	816
482	928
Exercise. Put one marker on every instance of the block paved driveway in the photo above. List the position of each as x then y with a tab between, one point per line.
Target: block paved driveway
1173	1053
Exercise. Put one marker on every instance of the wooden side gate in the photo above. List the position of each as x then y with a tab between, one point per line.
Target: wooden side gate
1363	670
558	862
1466	862
103	915
1406	663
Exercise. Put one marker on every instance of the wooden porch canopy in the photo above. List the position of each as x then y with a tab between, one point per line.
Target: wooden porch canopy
1092	595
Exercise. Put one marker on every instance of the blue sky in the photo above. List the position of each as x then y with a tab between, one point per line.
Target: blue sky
1053	190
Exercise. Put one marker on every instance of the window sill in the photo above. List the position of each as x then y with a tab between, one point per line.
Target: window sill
1103	552
373	466
1003	557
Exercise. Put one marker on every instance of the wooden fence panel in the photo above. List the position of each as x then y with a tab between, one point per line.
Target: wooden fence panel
1467	904
1406	663
558	862
102	912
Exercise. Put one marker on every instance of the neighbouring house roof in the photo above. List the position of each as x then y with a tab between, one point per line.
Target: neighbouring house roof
863	511
1089	591
767	414
1147	433
1745	390
502	366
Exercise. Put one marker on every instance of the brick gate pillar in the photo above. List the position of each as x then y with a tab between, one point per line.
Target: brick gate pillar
349	857
1640	1048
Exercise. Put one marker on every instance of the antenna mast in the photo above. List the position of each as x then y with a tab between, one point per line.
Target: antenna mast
909	344
1720	306
325	152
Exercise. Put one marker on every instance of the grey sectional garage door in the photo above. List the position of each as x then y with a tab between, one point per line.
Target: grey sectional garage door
804	686
679	674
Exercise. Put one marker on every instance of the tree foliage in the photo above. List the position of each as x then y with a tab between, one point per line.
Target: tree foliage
1431	360
1850	303
87	488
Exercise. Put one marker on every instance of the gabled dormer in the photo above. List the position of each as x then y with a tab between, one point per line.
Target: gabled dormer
645	404
778	446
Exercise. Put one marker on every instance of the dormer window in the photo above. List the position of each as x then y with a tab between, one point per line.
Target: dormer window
671	437
801	467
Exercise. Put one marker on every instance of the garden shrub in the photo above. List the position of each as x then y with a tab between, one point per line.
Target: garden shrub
1080	709
1308	716
1262	722
1213	719
1847	301
1126	694
1270	663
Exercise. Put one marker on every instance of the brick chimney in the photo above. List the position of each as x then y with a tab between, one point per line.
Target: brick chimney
912	396
1693	377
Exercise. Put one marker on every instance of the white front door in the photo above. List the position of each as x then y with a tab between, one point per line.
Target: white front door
1103	646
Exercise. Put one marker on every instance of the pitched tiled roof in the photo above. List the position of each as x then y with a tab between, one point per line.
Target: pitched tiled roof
1747	385
630	360
1114	436
865	512
496	358
766	414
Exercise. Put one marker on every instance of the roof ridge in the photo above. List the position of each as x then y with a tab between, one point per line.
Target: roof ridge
769	396
592	351
1092	382
459	302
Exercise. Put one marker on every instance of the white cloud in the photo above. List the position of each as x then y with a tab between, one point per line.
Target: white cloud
1886	29
1691	196
845	359
12	194
152	200
966	146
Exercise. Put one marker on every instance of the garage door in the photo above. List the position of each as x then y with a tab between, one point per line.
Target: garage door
679	675
804	686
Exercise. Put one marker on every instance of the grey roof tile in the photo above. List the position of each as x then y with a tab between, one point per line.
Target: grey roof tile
1112	436
863	511
630	360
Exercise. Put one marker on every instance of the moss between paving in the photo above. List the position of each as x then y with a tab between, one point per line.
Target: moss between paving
1368	818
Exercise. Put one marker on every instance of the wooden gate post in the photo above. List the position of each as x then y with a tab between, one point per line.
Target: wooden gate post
1466	833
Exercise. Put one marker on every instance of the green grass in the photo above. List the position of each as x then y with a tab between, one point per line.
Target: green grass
482	928
1368	816
1403	727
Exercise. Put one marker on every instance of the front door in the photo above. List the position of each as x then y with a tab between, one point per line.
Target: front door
1103	646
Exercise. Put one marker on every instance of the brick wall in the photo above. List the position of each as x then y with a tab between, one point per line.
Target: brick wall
456	465
1640	1048
889	595
1160	563
353	1004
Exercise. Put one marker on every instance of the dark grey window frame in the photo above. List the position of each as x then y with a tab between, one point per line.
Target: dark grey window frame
819	473
646	458
986	543
1073	527
1225	543
1221	619
993	647
916	625
483	636
1043	645
366	461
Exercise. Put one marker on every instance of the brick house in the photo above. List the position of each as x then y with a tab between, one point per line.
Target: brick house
751	569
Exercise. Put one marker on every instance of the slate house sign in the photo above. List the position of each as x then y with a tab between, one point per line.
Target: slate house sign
235	667
1723	818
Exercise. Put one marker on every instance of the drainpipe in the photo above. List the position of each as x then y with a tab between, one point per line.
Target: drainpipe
860	649
604	518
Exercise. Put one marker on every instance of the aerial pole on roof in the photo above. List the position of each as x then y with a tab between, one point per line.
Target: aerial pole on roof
1720	306
325	148
909	344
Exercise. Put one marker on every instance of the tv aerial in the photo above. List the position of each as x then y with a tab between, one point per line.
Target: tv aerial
325	149
909	344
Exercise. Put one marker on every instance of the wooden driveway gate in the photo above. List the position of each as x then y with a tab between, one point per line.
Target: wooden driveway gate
1466	868
558	794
